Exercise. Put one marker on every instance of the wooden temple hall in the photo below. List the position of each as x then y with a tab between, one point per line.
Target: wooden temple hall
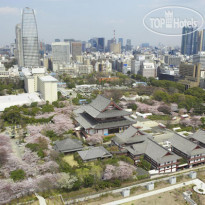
102	116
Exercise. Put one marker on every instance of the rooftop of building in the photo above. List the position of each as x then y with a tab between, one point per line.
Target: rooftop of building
99	108
68	145
131	135
199	135
48	78
38	70
186	146
94	153
153	150
20	99
60	43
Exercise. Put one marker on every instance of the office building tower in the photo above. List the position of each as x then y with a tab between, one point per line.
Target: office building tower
115	48
109	42
84	46
135	67
57	40
61	54
200	41
187	38
203	40
196	42
108	45
76	48
101	44
120	40
30	42
94	43
19	51
190	74
191	41
128	45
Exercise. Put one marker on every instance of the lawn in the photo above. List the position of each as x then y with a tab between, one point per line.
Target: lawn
70	160
92	168
159	117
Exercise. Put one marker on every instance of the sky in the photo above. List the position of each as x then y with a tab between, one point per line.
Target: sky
84	19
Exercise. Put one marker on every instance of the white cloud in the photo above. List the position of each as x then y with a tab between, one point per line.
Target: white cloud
9	11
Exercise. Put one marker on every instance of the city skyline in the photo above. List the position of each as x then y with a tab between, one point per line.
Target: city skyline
71	19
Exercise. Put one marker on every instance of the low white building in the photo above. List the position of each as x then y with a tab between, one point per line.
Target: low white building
148	70
36	80
47	86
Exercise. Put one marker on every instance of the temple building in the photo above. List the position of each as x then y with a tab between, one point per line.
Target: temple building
102	116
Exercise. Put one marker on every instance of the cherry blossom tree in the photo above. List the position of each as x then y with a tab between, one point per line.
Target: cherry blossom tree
50	166
145	108
193	122
95	139
123	171
66	181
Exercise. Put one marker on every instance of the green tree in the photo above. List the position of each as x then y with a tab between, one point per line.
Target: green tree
144	164
88	181
17	175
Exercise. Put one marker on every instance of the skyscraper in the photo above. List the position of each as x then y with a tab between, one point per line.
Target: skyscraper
191	41
61	54
203	40
76	49
101	44
30	42
19	51
128	45
120	40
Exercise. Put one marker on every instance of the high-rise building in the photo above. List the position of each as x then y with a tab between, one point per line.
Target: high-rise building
60	53
190	74
109	42
101	44
191	41
84	46
187	38
196	42
94	44
128	45
19	51
120	40
76	48
115	48
30	42
203	40
135	67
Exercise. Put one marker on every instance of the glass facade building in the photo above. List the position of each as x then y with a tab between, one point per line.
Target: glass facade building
190	41
30	42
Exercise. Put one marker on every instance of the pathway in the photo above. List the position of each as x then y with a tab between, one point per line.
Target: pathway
159	191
